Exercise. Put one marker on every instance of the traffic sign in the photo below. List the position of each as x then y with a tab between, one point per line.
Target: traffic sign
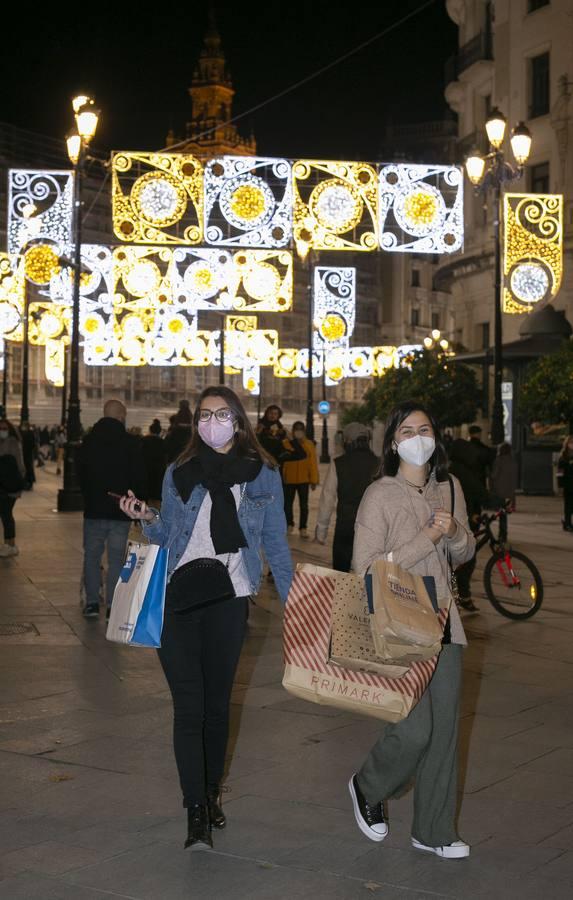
324	407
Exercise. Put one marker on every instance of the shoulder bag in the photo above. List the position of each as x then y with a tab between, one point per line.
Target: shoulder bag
202	582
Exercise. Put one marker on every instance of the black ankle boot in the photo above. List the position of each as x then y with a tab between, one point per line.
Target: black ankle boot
198	827
216	814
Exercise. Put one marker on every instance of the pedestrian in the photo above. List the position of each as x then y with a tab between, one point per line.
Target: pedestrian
110	461
482	456
179	432
565	481
462	465
271	432
347	478
405	517
155	461
60	445
222	499
12	481
29	452
298	477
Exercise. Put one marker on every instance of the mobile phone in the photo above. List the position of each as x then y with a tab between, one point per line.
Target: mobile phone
136	506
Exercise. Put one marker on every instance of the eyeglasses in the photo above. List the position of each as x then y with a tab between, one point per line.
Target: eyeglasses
222	415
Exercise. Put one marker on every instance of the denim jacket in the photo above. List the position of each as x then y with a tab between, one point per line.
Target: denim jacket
262	519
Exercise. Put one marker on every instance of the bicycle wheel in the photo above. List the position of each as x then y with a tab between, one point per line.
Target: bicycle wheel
513	584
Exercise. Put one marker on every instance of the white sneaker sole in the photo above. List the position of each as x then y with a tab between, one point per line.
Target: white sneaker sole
372	835
450	851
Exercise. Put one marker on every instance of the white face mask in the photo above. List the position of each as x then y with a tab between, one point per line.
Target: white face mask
417	450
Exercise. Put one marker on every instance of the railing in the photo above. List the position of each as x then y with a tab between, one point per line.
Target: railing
476	49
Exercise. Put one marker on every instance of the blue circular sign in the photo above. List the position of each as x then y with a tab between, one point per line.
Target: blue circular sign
324	407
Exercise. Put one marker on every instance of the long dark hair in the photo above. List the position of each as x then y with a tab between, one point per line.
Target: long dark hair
245	439
391	461
12	430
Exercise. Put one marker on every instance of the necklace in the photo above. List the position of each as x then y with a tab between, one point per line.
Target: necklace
417	486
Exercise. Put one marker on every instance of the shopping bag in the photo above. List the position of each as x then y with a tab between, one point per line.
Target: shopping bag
308	674
138	606
404	624
351	641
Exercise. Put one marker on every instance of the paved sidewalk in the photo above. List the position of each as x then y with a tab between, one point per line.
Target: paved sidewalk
89	800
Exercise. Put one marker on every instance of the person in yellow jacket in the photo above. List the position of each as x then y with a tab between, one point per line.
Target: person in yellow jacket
298	476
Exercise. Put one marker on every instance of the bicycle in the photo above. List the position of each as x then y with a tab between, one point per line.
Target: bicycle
511	580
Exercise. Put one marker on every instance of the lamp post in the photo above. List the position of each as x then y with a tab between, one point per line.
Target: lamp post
491	172
86	116
24	407
305	253
6	355
324	452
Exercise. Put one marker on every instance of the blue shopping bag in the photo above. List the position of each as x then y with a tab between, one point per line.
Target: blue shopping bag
138	606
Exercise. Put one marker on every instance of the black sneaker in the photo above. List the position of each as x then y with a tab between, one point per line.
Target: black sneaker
216	814
370	819
91	611
468	604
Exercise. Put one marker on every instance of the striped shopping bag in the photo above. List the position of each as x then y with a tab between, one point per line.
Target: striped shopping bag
310	676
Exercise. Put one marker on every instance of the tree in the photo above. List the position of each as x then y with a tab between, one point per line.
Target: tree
546	393
432	378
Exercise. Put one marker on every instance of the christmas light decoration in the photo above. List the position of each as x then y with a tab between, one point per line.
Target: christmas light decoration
421	208
533	250
335	205
54	362
334	299
12	293
40	209
248	201
157	198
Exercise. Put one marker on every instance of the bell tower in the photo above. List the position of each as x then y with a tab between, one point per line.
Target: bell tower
210	133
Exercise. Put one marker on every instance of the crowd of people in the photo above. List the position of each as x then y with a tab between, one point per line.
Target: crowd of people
213	489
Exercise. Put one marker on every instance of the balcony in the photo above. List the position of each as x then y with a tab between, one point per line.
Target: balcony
478	49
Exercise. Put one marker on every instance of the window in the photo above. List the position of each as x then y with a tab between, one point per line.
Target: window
539	85
532	5
435	321
415	317
539	178
415	278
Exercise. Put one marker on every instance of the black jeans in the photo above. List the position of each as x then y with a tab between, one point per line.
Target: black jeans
199	655
568	508
290	491
7	517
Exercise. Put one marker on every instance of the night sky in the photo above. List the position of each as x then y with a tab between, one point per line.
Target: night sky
139	67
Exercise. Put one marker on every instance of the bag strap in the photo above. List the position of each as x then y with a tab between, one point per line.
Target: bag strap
241	498
452	495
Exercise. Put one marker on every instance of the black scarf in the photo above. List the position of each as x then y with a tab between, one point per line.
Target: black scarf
218	472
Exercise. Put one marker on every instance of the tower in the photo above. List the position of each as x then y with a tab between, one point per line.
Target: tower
210	133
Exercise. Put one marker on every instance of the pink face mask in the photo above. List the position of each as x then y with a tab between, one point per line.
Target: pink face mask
216	434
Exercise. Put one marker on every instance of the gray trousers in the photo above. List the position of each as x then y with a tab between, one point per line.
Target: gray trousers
423	746
101	534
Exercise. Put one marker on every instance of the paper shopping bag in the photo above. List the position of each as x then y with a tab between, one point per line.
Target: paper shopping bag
351	641
404	625
307	630
138	606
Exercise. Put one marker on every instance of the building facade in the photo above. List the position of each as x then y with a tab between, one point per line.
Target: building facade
515	55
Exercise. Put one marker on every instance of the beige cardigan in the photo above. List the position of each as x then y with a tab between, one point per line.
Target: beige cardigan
390	520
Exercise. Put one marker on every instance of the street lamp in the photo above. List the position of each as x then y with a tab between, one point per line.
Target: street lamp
305	253
491	172
86	116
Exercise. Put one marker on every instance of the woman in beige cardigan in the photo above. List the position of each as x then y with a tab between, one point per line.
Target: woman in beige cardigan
406	517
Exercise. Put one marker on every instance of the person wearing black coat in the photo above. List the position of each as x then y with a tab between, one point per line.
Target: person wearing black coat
155	459
565	481
110	461
463	465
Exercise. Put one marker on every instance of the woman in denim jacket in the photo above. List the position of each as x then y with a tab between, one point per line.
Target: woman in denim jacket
221	499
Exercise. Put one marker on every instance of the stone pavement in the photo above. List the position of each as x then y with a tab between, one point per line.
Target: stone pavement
89	800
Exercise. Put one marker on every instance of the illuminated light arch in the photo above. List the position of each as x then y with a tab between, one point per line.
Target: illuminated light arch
157	198
248	201
421	208
335	205
533	250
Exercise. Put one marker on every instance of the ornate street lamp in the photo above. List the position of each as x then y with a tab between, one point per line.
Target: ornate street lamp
491	172
86	116
305	253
